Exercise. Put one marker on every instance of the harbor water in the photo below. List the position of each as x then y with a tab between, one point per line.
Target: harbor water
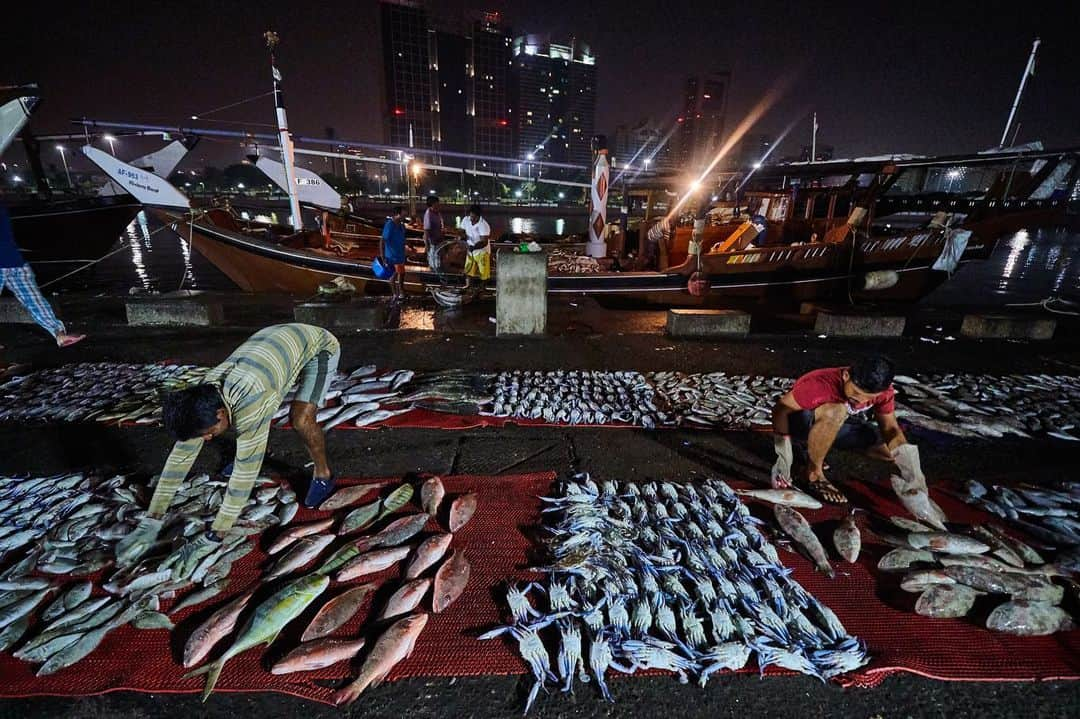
1026	267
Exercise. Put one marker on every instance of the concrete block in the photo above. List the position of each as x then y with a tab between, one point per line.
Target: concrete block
521	293
12	312
708	323
1011	327
186	308
858	325
359	313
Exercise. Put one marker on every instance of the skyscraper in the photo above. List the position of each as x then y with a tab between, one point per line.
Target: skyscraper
701	122
447	81
555	107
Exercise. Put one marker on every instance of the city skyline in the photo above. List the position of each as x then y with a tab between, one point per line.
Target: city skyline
924	81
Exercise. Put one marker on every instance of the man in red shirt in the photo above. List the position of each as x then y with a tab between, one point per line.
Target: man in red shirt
830	408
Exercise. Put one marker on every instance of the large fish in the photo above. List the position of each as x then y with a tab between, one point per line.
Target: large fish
461	511
946	601
303	552
946	543
371	562
399	531
317	655
902	559
916	500
406	598
214	629
337	612
266	623
920	580
430	551
450	581
846	538
1029	619
786	497
395	644
796	527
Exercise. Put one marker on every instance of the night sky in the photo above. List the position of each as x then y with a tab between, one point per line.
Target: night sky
923	77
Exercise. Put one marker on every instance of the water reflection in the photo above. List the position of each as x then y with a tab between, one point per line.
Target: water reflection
138	236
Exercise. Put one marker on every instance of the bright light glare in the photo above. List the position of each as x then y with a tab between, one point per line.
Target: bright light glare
562	195
695	185
517	193
60	148
240	185
108	138
757	165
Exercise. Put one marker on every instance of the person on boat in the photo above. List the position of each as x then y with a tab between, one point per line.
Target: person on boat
17	275
433	231
392	249
478	238
242	393
829	408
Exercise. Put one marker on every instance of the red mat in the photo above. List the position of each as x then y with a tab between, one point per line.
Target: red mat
147	660
496	541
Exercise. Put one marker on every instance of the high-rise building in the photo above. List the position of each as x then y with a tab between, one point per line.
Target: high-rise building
700	130
411	75
555	106
642	145
447	81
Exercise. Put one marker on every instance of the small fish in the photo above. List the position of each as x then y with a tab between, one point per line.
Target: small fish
13	632
796	527
846	538
461	511
317	655
300	530
399	531
347	412
430	551
406	599
379	415
395	644
336	612
371	562
946	601
87	642
395	500
269	618
946	543
152	620
360	518
345	496
214	629
450	581
1029	619
431	495
73	597
303	552
785	497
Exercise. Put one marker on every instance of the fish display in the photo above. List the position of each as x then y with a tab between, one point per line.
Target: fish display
664	575
395	644
1029	619
336	612
1050	514
578	397
718	399
66	527
846	538
796	527
317	655
788	497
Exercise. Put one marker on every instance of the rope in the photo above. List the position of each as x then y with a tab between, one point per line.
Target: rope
1045	304
200	115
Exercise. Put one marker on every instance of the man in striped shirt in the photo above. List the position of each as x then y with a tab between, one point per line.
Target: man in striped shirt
243	392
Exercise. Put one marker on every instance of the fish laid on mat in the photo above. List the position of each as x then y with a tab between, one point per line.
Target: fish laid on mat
397	532
213	630
786	497
796	527
346	496
461	511
395	645
303	552
266	623
946	601
406	598
371	562
431	495
300	530
428	552
916	500
1029	619
450	581
946	543
317	655
920	580
846	538
337	612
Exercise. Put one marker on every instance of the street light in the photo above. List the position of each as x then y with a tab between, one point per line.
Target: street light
239	185
562	195
647	161
112	143
951	175
63	158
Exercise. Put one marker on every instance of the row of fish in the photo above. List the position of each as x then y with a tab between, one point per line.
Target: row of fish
61	528
1049	514
672	576
92	391
578	397
567	262
717	399
992	406
431	568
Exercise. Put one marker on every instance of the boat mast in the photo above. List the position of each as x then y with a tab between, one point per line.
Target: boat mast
813	140
1029	70
284	139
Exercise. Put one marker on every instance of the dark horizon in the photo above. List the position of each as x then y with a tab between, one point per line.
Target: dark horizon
924	78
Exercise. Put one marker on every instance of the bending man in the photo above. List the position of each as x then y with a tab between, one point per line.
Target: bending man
829	408
242	392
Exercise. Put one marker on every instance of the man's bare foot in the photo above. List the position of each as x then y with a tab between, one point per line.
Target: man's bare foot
65	340
825	490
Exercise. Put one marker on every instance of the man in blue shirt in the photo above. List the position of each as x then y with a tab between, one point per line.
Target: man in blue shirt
16	274
392	249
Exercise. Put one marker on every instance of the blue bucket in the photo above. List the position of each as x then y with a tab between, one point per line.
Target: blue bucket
381	269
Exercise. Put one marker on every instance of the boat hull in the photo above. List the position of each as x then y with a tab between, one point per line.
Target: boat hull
79	230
